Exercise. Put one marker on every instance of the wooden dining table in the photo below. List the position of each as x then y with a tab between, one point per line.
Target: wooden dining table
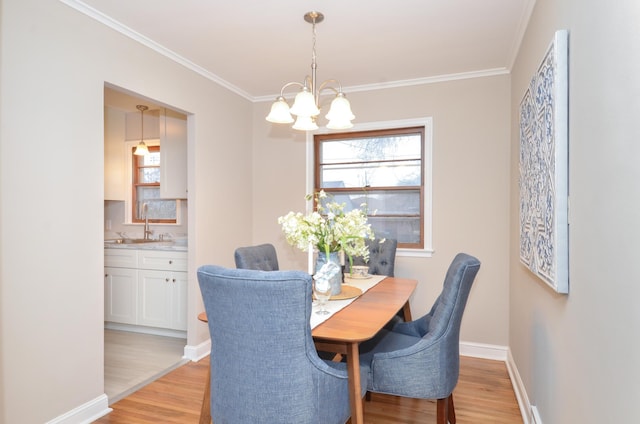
358	322
343	332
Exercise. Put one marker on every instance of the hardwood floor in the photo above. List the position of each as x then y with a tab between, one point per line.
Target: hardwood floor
484	395
132	360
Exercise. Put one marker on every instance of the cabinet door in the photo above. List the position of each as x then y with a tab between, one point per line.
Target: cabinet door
120	292
179	300
114	155
154	298
173	156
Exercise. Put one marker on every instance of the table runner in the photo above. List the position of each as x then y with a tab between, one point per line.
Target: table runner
334	306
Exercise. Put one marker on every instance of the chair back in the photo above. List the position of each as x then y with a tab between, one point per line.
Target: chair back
264	366
382	257
262	257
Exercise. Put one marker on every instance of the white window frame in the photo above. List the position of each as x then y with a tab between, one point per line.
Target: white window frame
427	123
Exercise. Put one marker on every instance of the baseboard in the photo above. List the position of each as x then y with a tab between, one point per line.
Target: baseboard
86	413
196	353
536	415
484	351
520	392
146	330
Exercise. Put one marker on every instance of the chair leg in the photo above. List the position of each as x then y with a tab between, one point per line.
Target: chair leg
452	411
367	396
442	410
446	413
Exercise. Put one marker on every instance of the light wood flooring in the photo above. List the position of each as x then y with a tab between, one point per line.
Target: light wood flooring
484	395
132	360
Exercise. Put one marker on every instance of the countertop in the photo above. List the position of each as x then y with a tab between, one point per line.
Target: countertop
171	245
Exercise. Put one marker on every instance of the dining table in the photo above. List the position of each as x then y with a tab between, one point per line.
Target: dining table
358	321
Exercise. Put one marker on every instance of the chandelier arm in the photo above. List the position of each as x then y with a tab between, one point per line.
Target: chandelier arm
289	84
324	86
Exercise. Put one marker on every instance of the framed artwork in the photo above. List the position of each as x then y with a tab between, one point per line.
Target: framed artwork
544	160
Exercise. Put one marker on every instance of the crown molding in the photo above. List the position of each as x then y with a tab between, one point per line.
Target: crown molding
125	30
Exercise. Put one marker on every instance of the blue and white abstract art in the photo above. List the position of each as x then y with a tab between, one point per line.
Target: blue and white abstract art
544	191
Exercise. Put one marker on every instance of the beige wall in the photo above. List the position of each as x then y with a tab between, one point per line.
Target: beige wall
54	63
470	188
578	354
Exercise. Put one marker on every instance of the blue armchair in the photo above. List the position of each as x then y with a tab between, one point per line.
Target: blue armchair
264	365
421	358
262	257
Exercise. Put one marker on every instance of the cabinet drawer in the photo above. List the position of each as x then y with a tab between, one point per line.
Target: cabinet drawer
162	260
120	258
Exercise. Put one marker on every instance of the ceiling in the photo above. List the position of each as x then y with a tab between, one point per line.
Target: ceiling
254	47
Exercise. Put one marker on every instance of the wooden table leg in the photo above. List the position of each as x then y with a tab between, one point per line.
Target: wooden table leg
355	398
205	411
406	311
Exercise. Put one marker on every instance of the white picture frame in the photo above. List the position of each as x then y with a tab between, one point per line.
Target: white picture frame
544	165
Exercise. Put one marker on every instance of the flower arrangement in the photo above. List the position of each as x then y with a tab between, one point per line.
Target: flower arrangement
329	228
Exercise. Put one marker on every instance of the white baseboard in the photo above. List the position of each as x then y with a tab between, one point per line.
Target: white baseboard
195	353
146	330
484	351
536	415
520	391
86	413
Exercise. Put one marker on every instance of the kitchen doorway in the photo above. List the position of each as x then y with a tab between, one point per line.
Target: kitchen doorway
142	341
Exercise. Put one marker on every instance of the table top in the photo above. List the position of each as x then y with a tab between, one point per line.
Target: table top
363	318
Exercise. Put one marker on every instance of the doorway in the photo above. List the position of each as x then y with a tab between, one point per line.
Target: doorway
142	342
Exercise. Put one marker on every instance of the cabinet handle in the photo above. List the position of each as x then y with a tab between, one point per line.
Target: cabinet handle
174	280
106	275
166	279
170	262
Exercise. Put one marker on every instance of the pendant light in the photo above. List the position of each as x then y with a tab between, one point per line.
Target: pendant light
141	148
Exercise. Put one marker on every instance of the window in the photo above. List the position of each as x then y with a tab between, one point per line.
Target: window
382	169
146	190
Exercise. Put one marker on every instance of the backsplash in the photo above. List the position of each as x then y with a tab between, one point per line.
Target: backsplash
115	227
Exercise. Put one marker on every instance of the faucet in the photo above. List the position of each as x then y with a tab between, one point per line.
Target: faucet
147	232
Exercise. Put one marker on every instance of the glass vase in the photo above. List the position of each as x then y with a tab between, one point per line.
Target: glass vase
336	281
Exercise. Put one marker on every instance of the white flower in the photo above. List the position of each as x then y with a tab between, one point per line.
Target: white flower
329	228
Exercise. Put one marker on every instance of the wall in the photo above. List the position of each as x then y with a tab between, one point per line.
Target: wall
53	66
577	354
470	189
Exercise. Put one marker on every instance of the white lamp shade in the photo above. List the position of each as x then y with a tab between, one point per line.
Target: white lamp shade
340	109
339	124
305	104
280	113
141	149
305	123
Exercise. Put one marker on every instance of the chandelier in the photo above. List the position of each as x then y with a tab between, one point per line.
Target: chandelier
306	106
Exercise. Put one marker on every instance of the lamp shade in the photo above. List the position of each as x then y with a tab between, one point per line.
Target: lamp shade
305	123
305	104
339	124
141	149
340	109
280	113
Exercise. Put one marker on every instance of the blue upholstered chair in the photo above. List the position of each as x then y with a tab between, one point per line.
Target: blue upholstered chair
421	358
264	365
262	257
382	257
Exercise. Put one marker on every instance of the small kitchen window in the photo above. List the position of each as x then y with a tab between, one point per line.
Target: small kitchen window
146	190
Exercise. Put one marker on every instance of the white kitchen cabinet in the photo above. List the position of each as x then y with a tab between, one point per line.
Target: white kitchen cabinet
162	299
173	155
115	187
146	288
120	294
